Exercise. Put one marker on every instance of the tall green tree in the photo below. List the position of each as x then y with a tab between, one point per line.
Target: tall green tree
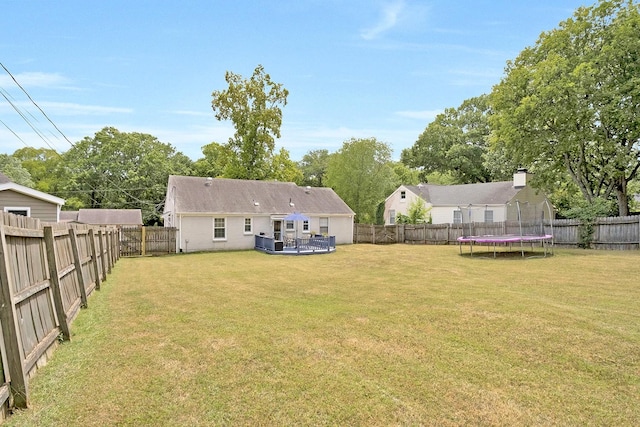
361	173
455	143
253	106
284	169
12	168
216	157
571	103
40	162
314	167
121	170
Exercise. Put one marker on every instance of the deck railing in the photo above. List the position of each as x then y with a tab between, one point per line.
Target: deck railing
297	245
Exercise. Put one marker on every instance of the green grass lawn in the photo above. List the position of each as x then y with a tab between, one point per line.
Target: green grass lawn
369	335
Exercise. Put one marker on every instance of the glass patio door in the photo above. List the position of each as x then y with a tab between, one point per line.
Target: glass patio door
277	230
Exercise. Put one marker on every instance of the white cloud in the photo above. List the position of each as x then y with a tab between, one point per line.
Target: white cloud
36	79
388	20
70	109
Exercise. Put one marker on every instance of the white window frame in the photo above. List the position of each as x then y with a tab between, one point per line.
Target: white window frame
457	217
305	226
403	195
323	229
12	209
249	222
289	225
488	215
224	228
392	216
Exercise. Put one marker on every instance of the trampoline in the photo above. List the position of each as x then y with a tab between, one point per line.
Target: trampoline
533	236
507	240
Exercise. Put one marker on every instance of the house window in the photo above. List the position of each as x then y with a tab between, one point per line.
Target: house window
18	211
392	216
305	226
403	195
289	226
488	216
324	225
248	226
219	229
457	217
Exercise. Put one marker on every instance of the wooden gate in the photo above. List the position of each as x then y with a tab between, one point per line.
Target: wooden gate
137	240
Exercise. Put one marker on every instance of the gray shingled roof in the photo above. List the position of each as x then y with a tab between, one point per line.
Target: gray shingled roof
489	193
4	179
110	216
69	216
237	196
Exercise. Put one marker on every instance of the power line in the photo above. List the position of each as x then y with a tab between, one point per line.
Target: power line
21	114
4	94
37	106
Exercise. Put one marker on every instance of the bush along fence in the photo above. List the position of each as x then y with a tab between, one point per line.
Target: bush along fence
47	271
616	233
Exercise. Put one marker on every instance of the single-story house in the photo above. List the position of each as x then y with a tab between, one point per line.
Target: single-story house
225	214
104	217
482	202
20	200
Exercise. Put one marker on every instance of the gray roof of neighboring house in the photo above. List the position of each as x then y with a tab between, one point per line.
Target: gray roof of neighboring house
104	216
69	216
4	179
238	196
488	193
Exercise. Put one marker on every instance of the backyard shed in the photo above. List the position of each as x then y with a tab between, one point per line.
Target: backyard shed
21	200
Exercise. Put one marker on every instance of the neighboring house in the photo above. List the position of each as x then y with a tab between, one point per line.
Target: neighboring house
226	214
20	200
105	217
483	202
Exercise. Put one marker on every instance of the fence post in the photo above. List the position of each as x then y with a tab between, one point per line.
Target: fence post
94	258
78	263
11	330
143	241
103	256
50	244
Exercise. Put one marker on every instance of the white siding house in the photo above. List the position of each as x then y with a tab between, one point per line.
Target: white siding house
214	214
482	202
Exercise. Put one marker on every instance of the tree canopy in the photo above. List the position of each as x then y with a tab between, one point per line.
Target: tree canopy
362	175
12	168
121	170
571	103
314	167
40	162
456	143
253	106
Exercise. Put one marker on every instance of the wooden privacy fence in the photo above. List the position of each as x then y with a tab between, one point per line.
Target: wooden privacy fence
139	240
618	233
47	271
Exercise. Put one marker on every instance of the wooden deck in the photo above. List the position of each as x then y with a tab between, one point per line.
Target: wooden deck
297	246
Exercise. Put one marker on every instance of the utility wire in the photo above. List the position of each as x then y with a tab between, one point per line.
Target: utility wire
37	106
141	202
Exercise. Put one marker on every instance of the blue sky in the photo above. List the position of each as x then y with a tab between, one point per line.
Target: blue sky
354	68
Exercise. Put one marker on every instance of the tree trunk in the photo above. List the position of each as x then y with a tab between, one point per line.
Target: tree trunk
621	194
